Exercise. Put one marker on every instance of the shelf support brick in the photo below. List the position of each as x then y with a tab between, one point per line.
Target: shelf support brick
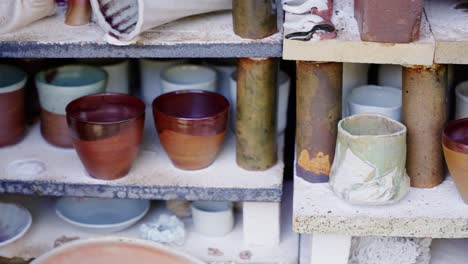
319	93
256	113
425	115
254	19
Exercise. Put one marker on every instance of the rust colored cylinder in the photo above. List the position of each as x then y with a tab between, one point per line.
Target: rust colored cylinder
54	129
254	19
256	113
424	114
78	12
318	111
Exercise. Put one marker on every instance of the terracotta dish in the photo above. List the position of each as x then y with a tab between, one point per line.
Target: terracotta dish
106	131
114	250
455	145
191	126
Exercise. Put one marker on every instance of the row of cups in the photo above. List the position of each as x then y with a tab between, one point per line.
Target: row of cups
106	128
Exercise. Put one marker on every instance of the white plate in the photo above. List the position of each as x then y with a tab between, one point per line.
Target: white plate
101	215
15	221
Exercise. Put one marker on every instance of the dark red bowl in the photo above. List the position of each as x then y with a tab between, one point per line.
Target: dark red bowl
107	131
191	126
455	145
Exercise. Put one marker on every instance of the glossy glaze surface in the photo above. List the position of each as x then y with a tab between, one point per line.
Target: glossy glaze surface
455	146
106	130
191	126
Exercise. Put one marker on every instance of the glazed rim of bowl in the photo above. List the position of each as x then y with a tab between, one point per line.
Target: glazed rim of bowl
24	230
462	91
450	136
206	206
354	99
209	74
72	245
100	75
224	104
397	128
131	219
73	108
16	78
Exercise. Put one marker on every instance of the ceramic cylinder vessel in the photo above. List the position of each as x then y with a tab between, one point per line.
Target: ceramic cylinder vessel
123	21
254	19
188	77
118	73
58	87
282	97
213	218
455	145
373	99
425	115
373	18
369	163
12	108
256	142
461	103
107	131
78	12
191	126
318	110
150	76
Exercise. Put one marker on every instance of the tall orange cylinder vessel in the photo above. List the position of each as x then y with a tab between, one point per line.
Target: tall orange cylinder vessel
12	114
106	130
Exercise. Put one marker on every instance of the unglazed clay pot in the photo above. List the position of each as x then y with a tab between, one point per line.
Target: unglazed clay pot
370	158
124	20
455	145
15	14
107	131
12	115
115	250
191	126
58	87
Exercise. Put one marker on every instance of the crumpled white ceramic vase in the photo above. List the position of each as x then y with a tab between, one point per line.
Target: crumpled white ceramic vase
124	20
15	14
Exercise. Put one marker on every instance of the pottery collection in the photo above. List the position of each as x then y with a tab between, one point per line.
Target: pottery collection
58	87
191	126
455	146
373	99
107	131
369	163
12	106
188	77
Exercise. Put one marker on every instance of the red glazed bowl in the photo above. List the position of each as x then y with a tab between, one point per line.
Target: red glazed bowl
191	126
106	130
455	145
12	114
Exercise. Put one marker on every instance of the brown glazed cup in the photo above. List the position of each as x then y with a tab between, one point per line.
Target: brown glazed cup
191	126
106	130
12	114
455	145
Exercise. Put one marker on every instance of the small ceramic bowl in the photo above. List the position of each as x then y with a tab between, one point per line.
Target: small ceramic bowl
101	215
15	221
461	103
58	87
373	99
118	250
188	77
107	131
191	126
12	107
455	145
213	218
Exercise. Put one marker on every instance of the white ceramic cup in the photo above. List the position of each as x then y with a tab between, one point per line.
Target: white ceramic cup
150	76
188	77
461	104
213	218
373	99
284	85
